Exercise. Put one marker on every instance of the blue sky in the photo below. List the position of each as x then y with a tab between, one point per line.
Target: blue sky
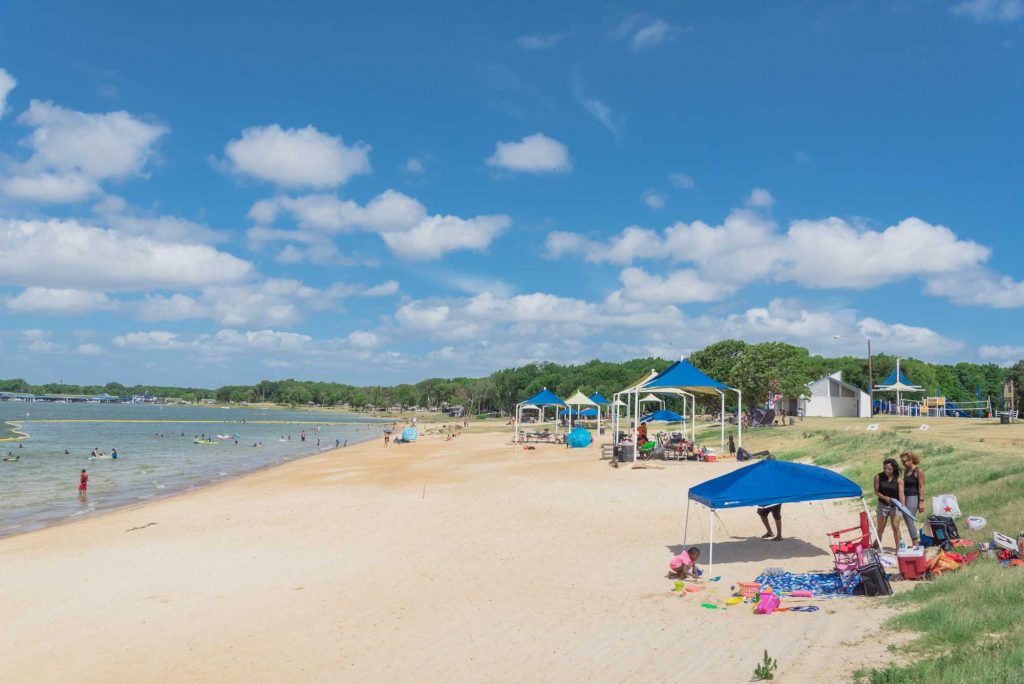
191	195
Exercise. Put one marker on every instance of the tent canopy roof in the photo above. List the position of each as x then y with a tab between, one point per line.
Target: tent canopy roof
640	382
649	397
771	482
589	413
544	398
580	399
663	416
684	375
898	381
599	399
619	402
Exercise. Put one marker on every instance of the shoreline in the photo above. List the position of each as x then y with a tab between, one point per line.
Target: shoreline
156	498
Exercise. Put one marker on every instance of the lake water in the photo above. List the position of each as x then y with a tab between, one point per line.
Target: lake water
156	453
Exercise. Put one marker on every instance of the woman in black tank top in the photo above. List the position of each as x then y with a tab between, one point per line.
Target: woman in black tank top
913	490
889	487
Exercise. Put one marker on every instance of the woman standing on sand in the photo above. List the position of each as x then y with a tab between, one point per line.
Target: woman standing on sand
913	490
889	487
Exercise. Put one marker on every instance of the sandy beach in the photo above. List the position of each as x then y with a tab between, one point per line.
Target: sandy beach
468	560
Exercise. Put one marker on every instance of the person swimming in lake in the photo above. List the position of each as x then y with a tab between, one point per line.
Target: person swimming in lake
113	453
685	564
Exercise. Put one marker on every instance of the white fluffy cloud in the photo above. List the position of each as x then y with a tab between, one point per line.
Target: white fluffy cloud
55	188
435	236
401	221
641	31
384	289
984	11
676	287
1004	355
90	349
539	41
153	339
273	302
980	286
296	157
7	84
535	153
682	180
760	198
63	301
67	254
129	220
413	165
491	330
388	211
363	339
828	253
653	199
73	151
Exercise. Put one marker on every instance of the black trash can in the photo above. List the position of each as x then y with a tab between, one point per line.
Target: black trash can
1004	419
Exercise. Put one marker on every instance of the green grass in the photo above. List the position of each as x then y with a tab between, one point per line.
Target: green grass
969	624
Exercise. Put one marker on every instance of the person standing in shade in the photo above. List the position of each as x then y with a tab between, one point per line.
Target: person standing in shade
83	483
913	491
775	510
732	446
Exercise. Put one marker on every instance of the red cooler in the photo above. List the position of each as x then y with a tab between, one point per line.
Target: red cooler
913	564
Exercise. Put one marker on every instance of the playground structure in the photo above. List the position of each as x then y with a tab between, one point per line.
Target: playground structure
934	407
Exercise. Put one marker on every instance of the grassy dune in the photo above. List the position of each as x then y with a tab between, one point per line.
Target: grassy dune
967	625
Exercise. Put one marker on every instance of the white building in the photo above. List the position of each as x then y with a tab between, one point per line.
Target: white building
829	397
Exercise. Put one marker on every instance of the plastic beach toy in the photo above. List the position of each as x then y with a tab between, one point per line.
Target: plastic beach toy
712	606
734	600
680	585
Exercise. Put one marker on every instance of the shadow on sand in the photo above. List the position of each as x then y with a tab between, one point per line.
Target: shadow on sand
752	549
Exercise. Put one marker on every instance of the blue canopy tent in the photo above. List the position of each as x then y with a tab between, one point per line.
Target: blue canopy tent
771	482
600	400
588	413
683	376
663	416
540	400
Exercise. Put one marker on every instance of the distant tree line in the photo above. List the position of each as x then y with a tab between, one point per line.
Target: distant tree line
759	370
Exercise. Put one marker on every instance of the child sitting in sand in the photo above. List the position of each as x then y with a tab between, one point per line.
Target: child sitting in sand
685	564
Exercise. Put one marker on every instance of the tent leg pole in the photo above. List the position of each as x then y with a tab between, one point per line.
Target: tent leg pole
828	524
711	545
686	525
739	414
870	521
721	448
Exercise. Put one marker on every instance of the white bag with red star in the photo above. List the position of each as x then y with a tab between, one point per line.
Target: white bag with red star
945	504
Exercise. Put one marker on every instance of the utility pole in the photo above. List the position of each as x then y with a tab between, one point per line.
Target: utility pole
871	384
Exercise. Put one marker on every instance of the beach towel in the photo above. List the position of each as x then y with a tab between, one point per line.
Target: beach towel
827	584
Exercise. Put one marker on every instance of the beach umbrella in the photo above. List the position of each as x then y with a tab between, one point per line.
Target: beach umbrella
409	434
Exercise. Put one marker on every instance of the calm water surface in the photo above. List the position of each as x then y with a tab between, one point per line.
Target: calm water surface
156	452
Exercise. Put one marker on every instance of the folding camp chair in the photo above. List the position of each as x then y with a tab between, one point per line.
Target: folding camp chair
848	551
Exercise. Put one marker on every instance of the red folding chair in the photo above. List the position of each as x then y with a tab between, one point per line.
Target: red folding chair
848	551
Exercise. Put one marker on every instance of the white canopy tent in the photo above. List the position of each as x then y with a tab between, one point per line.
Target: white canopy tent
580	399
